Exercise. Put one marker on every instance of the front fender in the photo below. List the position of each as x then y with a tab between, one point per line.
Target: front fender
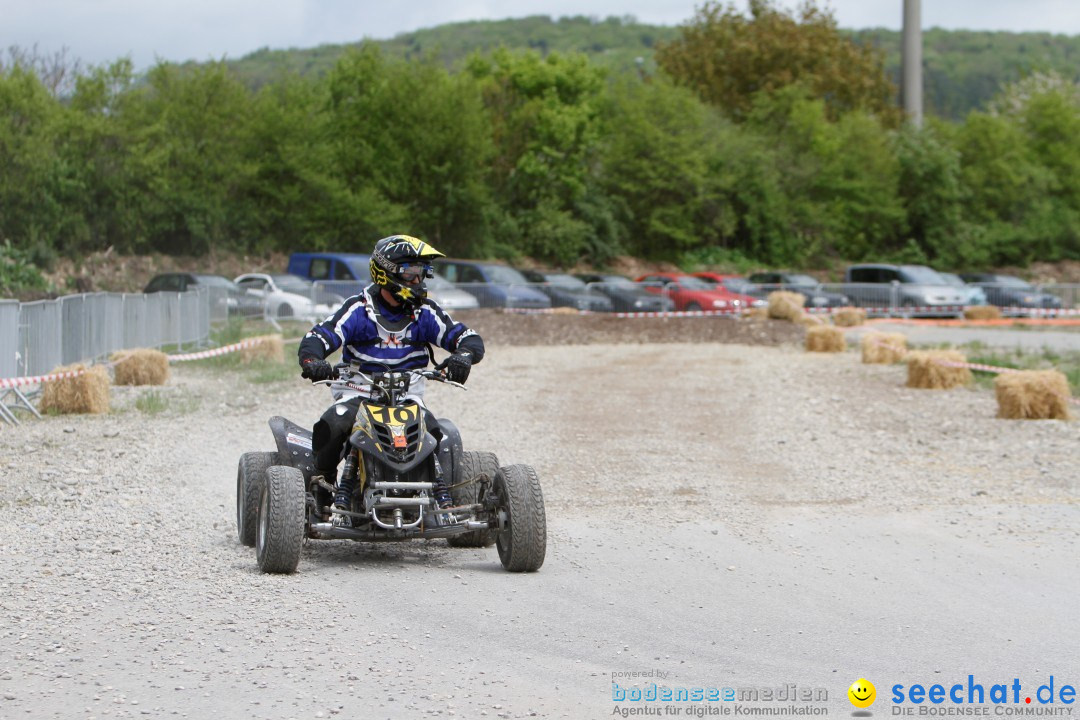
367	444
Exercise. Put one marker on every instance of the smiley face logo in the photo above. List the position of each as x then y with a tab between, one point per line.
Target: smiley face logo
862	693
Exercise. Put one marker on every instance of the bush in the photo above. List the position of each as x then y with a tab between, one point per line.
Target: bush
17	271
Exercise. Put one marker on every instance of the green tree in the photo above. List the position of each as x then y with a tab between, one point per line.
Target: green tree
186	128
545	126
31	204
413	142
727	58
839	179
932	193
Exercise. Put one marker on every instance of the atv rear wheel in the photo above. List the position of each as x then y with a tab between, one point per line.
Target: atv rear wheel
473	465
282	520
250	477
522	542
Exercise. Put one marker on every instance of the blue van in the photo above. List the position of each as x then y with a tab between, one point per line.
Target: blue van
345	274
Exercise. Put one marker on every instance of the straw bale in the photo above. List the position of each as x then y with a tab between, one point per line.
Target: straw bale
140	367
982	312
849	317
267	348
565	311
808	320
758	313
785	305
926	371
885	348
825	338
1033	395
86	393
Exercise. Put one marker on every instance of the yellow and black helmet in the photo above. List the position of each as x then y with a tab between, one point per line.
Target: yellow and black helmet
400	264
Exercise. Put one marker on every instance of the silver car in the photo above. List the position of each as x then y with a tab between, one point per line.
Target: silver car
447	296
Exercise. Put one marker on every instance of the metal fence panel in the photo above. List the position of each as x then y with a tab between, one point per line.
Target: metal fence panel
40	337
72	329
9	338
113	322
1068	294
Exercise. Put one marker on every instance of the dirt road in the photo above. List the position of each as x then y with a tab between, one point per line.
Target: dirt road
719	516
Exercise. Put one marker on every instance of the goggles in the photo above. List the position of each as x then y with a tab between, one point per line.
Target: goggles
415	273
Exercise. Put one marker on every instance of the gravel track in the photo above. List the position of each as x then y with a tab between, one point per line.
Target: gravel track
728	514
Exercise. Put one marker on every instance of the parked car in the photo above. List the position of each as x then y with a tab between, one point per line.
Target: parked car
692	293
344	274
750	294
813	295
1011	291
285	296
225	297
625	294
878	285
449	297
494	285
567	291
975	294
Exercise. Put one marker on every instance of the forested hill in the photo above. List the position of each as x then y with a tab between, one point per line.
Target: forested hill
964	69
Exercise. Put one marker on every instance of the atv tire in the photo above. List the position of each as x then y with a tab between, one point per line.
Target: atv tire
250	478
282	520
473	465
522	542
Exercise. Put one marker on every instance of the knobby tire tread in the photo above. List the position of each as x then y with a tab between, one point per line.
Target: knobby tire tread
284	520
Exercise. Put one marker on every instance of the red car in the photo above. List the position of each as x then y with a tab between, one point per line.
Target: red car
693	293
736	285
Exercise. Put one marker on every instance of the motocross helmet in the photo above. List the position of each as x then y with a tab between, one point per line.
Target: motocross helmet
400	264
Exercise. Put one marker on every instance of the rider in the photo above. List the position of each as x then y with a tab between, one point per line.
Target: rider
389	326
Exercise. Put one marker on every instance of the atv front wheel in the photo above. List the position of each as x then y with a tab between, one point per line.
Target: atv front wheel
522	541
473	465
281	520
250	477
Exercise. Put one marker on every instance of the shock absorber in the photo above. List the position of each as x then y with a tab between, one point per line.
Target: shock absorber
346	484
439	489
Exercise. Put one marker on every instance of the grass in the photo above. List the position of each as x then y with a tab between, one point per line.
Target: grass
155	402
1067	362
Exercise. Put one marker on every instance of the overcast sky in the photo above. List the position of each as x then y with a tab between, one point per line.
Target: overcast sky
99	31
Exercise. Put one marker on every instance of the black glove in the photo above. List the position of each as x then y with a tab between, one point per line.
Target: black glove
458	366
316	370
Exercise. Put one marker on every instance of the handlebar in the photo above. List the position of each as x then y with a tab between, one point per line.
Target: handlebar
345	373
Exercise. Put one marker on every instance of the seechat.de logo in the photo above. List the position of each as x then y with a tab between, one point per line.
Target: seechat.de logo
862	693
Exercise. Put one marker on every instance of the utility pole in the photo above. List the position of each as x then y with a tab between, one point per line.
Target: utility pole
911	75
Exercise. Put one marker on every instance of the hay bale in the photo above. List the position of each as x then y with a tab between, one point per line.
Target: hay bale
825	338
849	317
140	367
758	313
1033	395
885	348
926	370
808	320
982	312
86	393
266	348
785	305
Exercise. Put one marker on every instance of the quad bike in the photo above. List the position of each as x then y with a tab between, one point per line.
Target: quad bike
396	457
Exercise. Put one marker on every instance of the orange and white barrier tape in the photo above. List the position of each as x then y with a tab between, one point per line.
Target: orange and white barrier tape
224	350
661	313
9	383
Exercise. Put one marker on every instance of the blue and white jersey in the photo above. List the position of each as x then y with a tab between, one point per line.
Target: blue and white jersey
381	338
